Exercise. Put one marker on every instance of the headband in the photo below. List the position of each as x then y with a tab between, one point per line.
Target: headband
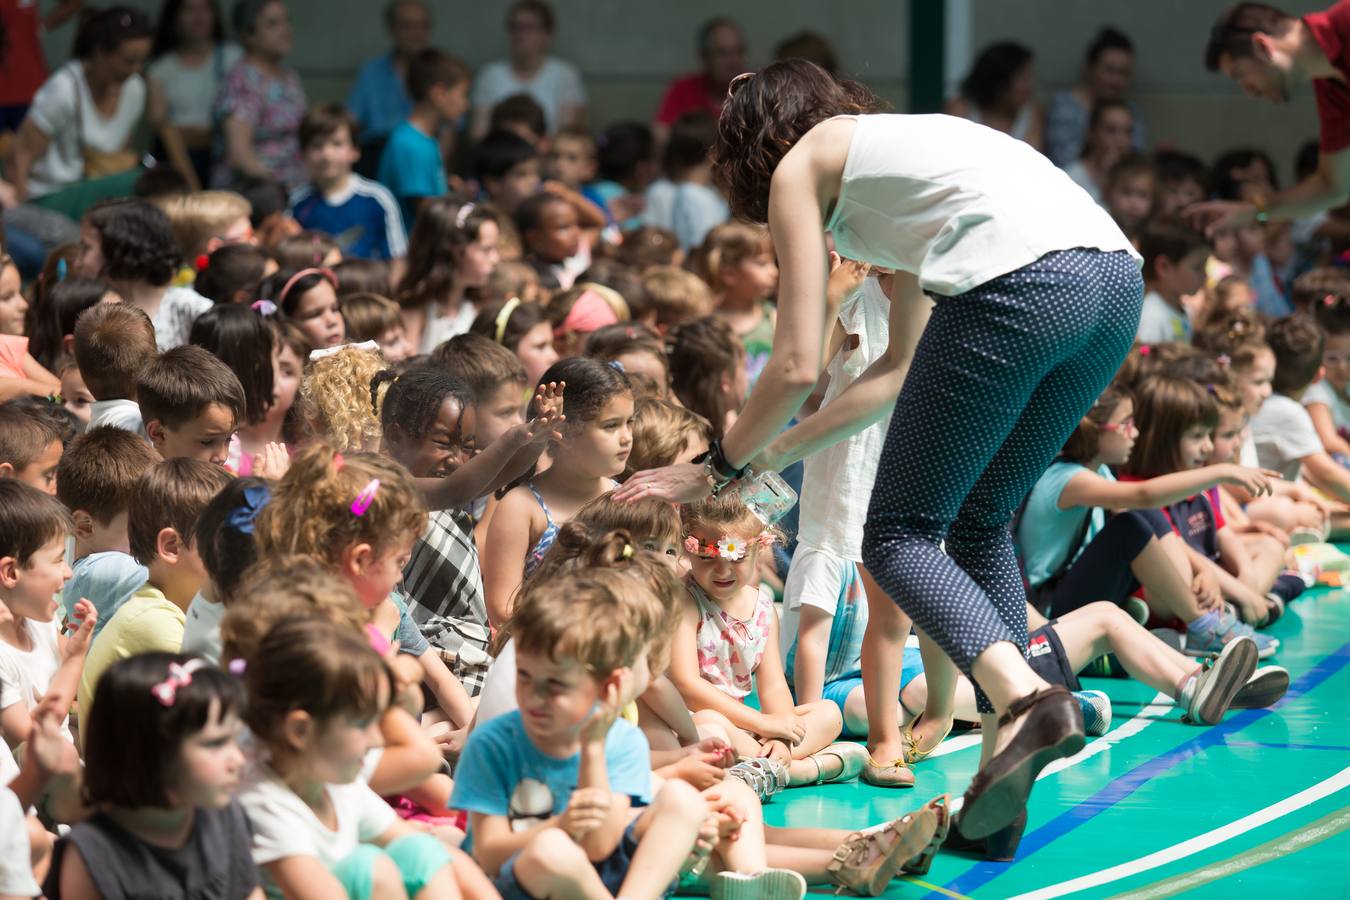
463	215
333	351
290	283
503	317
589	313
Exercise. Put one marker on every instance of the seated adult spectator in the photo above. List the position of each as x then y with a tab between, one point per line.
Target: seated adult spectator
25	66
1107	75
721	50
74	146
529	69
262	103
191	58
1000	91
380	98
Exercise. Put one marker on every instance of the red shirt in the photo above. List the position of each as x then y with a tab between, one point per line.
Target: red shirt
1331	30
22	65
691	93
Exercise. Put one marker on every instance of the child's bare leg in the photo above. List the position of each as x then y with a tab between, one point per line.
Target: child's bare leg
1267	561
442	886
554	867
883	650
741	741
823	724
855	712
473	884
1100	628
386	881
939	707
812	863
1164	571
666	832
746	853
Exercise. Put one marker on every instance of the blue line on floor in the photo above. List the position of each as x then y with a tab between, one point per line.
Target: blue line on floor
1124	785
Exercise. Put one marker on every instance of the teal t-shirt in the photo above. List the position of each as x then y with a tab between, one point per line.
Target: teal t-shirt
412	168
1046	532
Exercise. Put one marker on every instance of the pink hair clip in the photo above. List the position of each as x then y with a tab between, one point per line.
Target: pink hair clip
166	692
1224	360
237	667
691	544
1329	300
338	462
1145	349
365	498
263	307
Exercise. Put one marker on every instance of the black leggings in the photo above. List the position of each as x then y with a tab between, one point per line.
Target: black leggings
999	380
1102	571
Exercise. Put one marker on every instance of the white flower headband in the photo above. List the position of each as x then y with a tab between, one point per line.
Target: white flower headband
728	547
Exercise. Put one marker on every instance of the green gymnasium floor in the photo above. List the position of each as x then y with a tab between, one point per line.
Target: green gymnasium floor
1257	804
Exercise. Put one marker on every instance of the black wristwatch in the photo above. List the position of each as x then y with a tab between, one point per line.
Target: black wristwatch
719	470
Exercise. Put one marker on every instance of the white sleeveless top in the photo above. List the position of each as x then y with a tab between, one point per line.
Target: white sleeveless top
958	204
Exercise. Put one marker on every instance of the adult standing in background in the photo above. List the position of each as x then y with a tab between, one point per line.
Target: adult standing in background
529	69
721	49
1107	75
262	103
23	67
191	59
1000	91
379	100
74	146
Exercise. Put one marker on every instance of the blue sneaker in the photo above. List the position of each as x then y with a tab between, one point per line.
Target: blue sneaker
1209	634
1096	708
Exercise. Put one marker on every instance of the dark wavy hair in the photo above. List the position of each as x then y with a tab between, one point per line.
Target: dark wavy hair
105	30
136	241
766	113
55	318
994	68
167	38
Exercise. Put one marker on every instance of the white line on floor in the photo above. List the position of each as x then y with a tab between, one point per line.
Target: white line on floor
1201	842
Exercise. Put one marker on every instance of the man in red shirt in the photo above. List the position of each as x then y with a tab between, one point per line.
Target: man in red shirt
1266	51
721	47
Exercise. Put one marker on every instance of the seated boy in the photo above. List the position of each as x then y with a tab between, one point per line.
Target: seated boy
550	787
1283	431
30	446
411	165
34	657
191	403
113	343
360	213
1174	267
160	523
96	478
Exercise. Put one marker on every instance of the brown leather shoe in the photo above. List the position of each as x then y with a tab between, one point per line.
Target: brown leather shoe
1052	728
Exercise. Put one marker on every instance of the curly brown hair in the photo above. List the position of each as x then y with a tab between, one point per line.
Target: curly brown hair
311	507
765	114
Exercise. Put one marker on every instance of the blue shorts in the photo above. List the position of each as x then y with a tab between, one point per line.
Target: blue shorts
837	691
612	869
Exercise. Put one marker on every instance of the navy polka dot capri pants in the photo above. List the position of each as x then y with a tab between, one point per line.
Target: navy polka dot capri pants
1000	378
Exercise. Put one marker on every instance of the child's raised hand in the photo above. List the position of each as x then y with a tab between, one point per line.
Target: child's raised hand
776	750
548	420
846	275
586	811
272	462
47	746
607	708
1256	482
1205	587
699	772
82	623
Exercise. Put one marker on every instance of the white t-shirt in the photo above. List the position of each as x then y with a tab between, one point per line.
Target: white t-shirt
177	311
124	414
958	204
191	92
498	695
837	481
201	630
16	873
64	111
1284	433
283	825
1323	392
1161	322
556	86
25	676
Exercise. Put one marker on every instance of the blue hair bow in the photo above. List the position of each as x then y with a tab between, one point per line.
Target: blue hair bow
242	516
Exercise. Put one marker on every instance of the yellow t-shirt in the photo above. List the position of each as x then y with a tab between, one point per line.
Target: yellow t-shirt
147	623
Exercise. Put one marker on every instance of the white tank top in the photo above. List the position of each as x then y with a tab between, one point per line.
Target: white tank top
957	204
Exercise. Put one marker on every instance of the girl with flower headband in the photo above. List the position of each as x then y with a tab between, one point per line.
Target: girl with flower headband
726	645
453	248
160	766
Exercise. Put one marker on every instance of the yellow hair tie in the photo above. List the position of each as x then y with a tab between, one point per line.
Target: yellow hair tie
504	317
627	551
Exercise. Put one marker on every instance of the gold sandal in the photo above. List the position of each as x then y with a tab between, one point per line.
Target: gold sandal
894	774
912	752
